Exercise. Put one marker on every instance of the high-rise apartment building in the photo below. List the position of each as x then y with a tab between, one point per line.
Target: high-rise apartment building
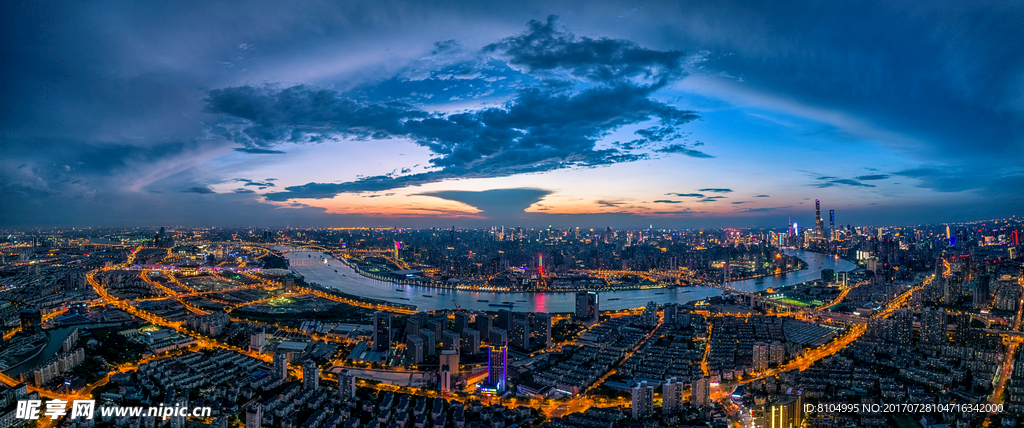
643	400
381	331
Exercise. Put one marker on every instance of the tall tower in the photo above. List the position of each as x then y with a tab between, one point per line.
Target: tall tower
381	331
789	230
497	366
310	375
819	225
831	224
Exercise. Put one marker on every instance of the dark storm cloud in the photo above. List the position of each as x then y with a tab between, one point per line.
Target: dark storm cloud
103	101
681	149
496	203
202	190
258	151
687	195
711	199
841	181
985	180
871	177
664	201
538	131
762	196
542	128
714	190
545	47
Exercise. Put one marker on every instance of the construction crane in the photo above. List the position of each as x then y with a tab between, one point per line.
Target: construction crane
457	307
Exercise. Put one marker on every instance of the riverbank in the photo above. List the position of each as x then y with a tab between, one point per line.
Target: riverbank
459	285
346	280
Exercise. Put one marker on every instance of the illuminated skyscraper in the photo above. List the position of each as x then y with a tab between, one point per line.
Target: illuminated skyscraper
933	326
542	330
381	331
469	341
831	224
586	306
784	413
819	224
521	334
497	367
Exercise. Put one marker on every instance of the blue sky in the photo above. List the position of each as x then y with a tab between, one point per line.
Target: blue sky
679	114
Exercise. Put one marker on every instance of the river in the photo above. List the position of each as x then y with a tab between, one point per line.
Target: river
309	265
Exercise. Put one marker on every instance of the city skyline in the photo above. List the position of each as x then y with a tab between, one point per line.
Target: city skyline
535	114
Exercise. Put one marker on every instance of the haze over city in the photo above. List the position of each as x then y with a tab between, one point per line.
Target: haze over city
680	114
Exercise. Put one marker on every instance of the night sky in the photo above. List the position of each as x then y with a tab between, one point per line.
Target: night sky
676	114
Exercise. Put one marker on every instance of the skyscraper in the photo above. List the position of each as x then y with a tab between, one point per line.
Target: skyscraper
461	321
429	342
257	341
381	331
254	415
903	327
982	291
497	337
497	367
954	288
785	412
281	365
346	384
505	319
933	326
762	356
31	320
470	342
700	395
521	334
414	349
586	307
542	330
450	341
819	224
831	224
310	375
672	395
650	315
483	323
449	365
643	400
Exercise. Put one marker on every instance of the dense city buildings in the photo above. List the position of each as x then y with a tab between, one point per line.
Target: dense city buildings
899	314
